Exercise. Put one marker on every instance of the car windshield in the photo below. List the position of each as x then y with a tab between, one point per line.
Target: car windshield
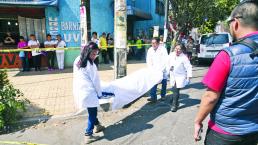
214	39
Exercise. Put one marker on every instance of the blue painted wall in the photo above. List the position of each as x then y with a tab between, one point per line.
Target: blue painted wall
68	20
102	16
148	6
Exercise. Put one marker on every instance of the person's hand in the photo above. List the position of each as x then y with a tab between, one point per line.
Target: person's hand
188	80
197	131
171	68
37	50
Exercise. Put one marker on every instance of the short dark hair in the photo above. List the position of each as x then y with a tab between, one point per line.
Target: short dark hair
103	33
59	35
157	39
48	35
21	37
183	48
32	35
85	54
94	33
247	12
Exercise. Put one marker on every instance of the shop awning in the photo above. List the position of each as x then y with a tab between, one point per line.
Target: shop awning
29	2
7	12
137	14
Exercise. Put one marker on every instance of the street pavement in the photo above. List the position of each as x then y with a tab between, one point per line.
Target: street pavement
50	93
141	123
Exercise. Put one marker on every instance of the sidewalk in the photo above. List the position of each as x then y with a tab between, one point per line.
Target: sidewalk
50	93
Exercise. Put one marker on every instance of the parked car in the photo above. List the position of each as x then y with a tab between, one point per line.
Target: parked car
211	44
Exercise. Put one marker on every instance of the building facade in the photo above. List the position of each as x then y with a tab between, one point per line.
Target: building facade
142	15
25	17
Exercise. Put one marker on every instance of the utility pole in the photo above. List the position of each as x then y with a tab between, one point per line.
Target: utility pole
120	58
83	25
166	21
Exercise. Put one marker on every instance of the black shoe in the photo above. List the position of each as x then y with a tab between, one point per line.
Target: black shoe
151	100
173	108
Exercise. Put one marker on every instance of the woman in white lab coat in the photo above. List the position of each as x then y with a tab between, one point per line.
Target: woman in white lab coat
180	72
87	88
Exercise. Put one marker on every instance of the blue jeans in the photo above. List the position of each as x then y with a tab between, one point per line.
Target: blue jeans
92	120
215	138
25	63
153	91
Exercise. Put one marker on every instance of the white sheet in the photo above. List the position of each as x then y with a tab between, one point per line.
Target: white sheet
133	86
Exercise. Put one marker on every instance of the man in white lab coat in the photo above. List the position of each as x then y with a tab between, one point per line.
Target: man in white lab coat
157	57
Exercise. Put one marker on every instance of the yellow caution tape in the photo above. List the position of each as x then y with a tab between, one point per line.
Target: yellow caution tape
39	49
19	143
67	48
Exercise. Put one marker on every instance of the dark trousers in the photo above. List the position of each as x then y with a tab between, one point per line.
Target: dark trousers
111	54
176	92
92	120
25	62
37	62
51	59
214	138
139	53
105	56
153	91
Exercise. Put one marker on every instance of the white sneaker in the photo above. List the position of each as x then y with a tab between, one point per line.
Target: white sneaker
158	97
98	128
90	138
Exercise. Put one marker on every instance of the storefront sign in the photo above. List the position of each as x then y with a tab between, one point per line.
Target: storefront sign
70	26
31	2
71	37
9	60
53	25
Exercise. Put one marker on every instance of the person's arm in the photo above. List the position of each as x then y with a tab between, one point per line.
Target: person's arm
99	43
93	74
46	45
30	45
215	84
148	59
64	44
188	68
208	102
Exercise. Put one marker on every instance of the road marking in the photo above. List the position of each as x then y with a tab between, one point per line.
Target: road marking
18	143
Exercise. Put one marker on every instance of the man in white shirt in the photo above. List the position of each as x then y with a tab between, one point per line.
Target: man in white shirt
156	59
50	54
95	39
36	55
60	53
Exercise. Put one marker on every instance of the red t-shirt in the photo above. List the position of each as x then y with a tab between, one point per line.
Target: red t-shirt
217	75
216	78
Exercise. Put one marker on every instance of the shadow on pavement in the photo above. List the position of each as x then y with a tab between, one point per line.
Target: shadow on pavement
136	122
43	72
140	120
185	101
197	85
31	118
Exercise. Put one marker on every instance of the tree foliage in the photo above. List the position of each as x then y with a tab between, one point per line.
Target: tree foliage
200	13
